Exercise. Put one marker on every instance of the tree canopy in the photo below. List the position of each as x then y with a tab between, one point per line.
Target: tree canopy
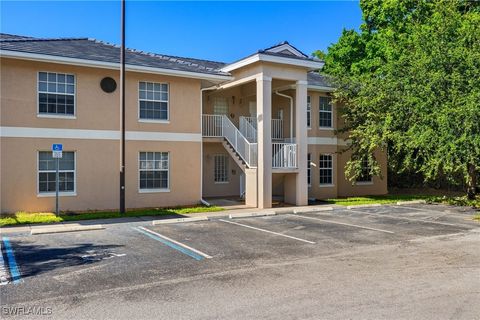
409	81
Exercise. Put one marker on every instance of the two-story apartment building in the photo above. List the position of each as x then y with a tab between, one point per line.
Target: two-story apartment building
259	127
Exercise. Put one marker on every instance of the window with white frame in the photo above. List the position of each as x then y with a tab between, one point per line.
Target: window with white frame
56	94
221	168
309	171
365	176
309	112
325	166
47	166
220	105
153	170
325	114
153	100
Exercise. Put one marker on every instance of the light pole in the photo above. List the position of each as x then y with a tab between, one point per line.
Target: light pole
122	111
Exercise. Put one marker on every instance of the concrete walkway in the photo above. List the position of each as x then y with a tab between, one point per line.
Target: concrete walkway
105	223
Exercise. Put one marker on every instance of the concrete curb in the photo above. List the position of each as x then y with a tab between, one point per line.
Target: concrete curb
305	210
399	203
179	220
251	214
65	228
365	206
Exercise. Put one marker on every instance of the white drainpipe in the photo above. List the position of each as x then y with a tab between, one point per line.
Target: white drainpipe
291	112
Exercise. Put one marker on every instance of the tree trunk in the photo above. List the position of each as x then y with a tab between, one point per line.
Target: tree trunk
471	182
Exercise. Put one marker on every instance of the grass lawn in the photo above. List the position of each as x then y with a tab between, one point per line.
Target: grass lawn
49	217
352	201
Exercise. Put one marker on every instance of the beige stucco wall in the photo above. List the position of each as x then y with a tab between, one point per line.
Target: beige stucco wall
97	175
94	108
223	189
97	160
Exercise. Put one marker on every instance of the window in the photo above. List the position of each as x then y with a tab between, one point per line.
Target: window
325	112
153	170
365	177
221	168
56	94
309	112
153	101
326	169
220	105
47	166
309	171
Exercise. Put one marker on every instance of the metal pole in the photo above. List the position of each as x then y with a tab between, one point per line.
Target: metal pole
57	185
122	112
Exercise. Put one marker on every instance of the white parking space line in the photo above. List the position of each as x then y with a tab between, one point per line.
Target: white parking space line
176	245
267	231
408	219
342	223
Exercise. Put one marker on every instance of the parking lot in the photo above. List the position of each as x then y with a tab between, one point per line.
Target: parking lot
412	261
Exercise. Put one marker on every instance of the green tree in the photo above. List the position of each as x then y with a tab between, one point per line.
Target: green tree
409	81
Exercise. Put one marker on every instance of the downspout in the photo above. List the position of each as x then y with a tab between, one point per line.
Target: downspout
291	112
202	201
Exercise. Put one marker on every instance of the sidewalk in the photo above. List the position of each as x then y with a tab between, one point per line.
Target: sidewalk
106	223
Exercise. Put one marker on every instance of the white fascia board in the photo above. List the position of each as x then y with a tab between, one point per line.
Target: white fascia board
320	88
312	65
110	65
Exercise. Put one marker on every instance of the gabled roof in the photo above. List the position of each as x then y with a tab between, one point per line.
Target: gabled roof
284	49
107	55
318	80
91	49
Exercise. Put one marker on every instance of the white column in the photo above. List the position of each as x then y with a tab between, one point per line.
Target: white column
302	144
264	138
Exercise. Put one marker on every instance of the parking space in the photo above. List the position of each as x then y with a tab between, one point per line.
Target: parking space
128	254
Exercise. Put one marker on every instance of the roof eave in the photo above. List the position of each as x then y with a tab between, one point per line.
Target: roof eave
309	64
111	65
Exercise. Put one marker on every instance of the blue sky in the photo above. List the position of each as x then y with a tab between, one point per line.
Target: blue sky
221	31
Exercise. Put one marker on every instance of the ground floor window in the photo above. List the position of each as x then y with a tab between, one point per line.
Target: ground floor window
365	176
47	166
221	168
153	170
326	169
309	171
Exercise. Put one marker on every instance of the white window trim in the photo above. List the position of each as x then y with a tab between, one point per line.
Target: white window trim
309	111
331	115
326	185
52	115
309	169
60	193
227	168
158	121
364	183
153	190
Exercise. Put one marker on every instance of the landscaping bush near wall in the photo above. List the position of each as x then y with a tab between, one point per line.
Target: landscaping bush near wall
416	180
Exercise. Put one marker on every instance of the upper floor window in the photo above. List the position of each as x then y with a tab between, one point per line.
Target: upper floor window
325	113
56	94
366	175
220	105
47	166
309	112
153	101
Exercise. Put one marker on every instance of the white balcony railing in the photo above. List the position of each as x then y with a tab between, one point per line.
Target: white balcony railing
284	155
248	127
220	126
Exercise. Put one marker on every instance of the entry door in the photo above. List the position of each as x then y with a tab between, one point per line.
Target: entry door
242	185
252	108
